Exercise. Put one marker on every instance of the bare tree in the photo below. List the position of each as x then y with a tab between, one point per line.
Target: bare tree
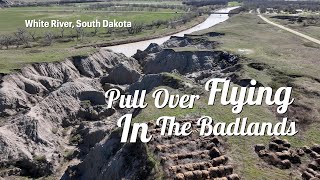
6	40
62	32
1	42
173	25
80	32
135	28
48	38
22	36
108	30
33	35
95	32
131	30
185	19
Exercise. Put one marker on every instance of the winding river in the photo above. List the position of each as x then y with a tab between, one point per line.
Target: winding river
131	48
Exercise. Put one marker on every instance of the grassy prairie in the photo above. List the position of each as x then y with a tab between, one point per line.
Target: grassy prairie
290	63
16	58
248	35
234	3
310	30
240	149
19	16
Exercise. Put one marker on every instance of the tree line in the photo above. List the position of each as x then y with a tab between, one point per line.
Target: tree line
286	6
23	37
135	7
199	3
304	21
45	3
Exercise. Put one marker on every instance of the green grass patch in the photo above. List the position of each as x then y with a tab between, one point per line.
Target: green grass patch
240	149
287	61
17	18
16	58
234	3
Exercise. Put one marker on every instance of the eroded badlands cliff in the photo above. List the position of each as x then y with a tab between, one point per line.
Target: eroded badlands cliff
54	120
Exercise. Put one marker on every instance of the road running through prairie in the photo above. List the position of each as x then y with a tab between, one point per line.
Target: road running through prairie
290	30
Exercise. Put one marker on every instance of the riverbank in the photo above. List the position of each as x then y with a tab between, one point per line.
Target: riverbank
16	58
168	32
130	49
55	44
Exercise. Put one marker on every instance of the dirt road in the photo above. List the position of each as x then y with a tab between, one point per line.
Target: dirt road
290	30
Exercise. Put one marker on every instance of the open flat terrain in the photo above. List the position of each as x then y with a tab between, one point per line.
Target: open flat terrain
19	15
302	26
